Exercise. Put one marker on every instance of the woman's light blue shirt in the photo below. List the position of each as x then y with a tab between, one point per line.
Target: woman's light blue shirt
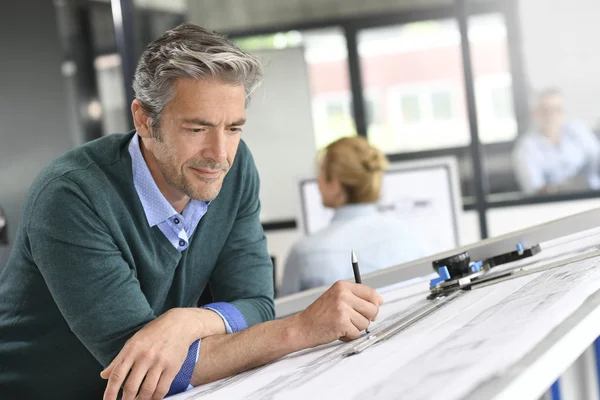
321	259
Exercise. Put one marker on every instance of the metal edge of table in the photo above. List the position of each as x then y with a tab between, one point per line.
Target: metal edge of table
532	375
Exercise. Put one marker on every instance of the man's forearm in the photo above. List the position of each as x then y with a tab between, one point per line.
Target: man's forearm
159	349
225	355
342	312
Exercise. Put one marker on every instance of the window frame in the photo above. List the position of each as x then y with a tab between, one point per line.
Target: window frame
460	10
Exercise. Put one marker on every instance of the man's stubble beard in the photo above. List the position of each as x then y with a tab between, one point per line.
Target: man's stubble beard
178	179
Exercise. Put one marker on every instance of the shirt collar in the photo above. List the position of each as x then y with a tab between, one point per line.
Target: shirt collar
156	207
350	211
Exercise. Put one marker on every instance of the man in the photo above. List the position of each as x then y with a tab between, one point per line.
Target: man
556	153
121	236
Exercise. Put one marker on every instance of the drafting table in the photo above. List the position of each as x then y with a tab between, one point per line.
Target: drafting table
508	340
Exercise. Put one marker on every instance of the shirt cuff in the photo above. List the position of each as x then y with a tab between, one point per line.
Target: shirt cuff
197	355
232	317
182	380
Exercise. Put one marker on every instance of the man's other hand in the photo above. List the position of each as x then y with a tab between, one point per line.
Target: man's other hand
154	356
342	312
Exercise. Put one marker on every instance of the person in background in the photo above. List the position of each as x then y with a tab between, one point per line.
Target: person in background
350	181
556	154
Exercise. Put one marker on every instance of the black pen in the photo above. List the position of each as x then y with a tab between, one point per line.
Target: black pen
355	268
357	278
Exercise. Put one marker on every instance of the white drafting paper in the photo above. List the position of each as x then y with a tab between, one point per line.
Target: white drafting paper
444	356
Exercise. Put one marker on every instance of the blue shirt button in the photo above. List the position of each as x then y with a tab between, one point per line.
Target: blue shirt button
182	243
176	220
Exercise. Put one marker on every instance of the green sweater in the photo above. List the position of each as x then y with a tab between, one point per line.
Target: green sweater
87	271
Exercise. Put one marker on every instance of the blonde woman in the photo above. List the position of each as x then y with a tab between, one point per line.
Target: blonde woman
350	180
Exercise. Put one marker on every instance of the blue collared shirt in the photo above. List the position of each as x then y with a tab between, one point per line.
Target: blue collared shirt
379	242
539	163
178	228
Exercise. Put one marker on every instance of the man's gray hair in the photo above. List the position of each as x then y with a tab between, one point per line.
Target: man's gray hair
189	51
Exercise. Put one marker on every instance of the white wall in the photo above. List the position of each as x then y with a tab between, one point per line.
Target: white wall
561	49
279	132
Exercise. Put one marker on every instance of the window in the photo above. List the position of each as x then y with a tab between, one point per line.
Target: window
279	40
371	114
338	115
332	116
111	93
411	109
326	56
419	68
495	110
493	81
423	116
335	111
502	103
441	105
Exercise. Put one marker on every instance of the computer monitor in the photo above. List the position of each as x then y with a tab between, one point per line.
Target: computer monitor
423	194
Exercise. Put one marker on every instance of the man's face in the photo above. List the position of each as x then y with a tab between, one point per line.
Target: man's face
198	136
550	113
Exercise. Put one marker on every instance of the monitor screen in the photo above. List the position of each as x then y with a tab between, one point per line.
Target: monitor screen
423	197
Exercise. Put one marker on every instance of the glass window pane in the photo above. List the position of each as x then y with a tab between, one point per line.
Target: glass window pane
327	58
410	108
414	72
371	114
492	78
502	103
326	55
442	106
557	150
494	98
111	93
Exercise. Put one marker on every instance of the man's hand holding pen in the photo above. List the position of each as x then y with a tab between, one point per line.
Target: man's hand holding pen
342	312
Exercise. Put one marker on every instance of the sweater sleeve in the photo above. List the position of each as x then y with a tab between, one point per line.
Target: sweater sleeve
243	275
95	289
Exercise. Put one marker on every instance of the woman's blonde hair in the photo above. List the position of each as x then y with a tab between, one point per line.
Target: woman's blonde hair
357	165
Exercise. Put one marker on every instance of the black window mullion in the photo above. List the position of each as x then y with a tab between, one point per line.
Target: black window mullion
479	176
358	104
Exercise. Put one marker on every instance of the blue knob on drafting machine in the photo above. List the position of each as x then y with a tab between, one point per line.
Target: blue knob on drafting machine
520	249
444	275
476	267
